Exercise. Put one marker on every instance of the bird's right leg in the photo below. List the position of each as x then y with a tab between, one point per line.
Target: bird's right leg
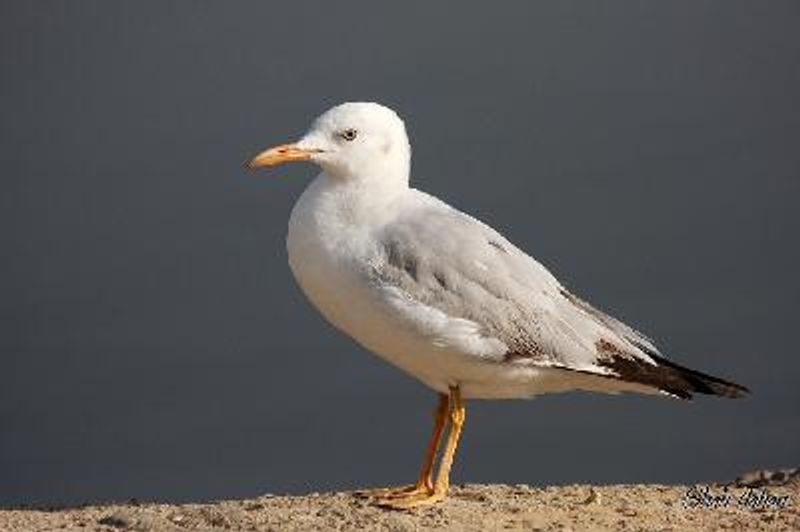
424	483
439	491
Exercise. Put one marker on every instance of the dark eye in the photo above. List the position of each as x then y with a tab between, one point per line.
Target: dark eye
349	134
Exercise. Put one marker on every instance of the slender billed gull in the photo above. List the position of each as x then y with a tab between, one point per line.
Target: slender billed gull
443	296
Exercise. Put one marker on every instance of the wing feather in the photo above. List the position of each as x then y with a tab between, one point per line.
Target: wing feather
493	301
445	259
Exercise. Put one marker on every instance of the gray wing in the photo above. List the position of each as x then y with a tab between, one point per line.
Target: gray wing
444	259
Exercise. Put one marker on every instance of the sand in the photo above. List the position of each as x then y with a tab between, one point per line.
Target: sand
759	501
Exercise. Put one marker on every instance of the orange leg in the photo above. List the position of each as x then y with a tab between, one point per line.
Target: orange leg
427	497
424	483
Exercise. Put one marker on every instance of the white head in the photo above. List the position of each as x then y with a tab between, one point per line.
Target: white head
350	142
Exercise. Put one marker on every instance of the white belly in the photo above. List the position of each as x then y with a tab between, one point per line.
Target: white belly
338	291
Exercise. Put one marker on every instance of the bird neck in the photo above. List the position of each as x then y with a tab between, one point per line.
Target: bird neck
354	201
375	175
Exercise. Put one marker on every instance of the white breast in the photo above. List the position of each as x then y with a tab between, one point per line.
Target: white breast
329	255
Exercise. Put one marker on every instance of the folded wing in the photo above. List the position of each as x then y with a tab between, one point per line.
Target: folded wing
503	306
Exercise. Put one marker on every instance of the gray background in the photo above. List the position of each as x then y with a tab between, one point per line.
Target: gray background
154	345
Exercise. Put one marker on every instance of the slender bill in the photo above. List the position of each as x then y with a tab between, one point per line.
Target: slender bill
281	154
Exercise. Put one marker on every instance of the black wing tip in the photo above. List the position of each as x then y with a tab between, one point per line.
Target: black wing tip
685	382
729	389
671	378
719	388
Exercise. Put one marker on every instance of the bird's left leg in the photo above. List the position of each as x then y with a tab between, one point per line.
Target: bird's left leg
442	484
424	483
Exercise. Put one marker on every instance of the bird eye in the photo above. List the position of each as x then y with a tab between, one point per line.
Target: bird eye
349	134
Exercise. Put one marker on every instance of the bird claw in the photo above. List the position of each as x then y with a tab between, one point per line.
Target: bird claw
392	492
417	499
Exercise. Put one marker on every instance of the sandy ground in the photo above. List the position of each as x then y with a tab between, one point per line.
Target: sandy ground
758	501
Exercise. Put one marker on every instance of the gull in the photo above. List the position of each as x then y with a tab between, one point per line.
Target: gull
443	296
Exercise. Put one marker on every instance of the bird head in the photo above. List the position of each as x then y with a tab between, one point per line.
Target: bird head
352	141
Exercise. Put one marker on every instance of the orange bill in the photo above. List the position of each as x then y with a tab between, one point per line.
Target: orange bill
281	154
